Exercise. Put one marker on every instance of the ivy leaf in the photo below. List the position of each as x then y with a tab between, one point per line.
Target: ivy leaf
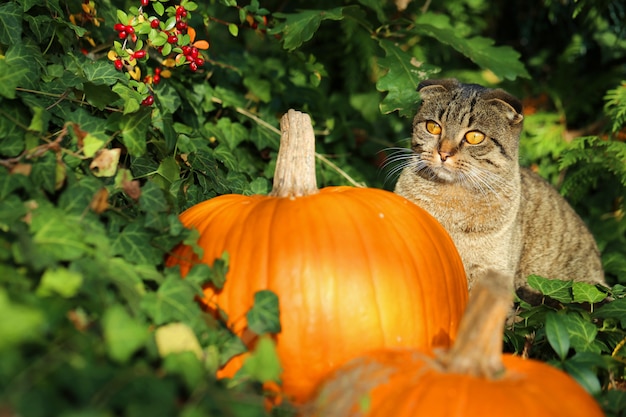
10	23
19	322
501	60
152	198
61	281
582	333
101	72
615	309
122	333
201	274
587	293
17	69
586	376
177	338
403	75
132	99
263	364
134	131
557	335
264	315
173	301
231	133
133	243
56	234
556	289
300	27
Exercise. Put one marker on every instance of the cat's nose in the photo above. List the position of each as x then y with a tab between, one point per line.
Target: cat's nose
444	155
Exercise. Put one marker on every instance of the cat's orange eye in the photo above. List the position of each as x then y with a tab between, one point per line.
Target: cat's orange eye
474	137
433	127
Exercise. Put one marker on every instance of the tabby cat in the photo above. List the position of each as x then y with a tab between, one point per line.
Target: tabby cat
464	170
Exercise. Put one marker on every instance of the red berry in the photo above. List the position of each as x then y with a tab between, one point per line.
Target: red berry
123	34
193	66
194	52
199	62
180	25
129	29
186	50
148	101
180	11
144	3
189	58
172	39
118	64
119	27
156	79
157	70
154	23
139	54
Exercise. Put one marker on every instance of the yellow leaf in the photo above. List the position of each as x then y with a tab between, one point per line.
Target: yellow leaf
169	62
177	338
201	44
112	55
192	34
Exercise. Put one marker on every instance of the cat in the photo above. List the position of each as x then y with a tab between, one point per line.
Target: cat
464	170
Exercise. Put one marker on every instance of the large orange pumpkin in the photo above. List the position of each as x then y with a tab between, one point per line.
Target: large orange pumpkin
472	379
355	269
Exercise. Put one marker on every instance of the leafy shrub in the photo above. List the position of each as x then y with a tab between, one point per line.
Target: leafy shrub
93	174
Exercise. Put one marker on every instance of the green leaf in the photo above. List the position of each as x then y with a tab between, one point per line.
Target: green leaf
223	154
201	274
174	301
132	99
301	26
232	133
60	281
10	23
56	234
158	8
19	322
263	364
557	334
133	243
134	131
615	309
233	29
187	365
503	61
582	332
152	198
556	289
101	72
585	376
403	74
18	69
122	333
587	293
264	315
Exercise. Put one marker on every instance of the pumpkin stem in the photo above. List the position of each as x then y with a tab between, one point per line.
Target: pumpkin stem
477	349
295	166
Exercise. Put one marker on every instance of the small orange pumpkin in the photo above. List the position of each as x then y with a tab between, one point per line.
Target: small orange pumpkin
472	379
355	269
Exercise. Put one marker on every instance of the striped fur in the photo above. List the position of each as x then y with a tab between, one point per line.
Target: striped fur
499	215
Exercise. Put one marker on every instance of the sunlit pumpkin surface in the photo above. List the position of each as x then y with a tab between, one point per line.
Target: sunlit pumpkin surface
408	383
355	269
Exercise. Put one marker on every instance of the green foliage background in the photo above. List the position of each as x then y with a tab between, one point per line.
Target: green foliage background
84	293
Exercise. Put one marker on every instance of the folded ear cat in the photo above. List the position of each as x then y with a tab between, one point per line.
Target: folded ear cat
464	170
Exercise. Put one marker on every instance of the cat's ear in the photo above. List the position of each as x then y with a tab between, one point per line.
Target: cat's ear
431	86
511	106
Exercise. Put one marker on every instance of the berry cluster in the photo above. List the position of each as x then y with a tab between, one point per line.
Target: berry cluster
123	31
168	32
